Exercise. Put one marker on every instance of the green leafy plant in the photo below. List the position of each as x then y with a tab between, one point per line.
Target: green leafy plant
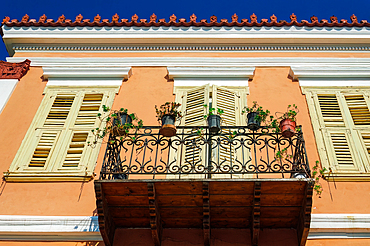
232	135
113	125
317	174
261	116
212	111
291	113
168	108
283	155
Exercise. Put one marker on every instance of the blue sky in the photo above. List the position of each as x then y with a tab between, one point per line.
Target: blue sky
323	9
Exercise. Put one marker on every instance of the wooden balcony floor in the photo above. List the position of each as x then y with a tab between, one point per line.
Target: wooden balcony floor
204	203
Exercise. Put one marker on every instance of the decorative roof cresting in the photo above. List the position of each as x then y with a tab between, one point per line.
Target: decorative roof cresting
175	21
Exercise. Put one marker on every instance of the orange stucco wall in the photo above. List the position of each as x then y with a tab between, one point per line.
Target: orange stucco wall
148	86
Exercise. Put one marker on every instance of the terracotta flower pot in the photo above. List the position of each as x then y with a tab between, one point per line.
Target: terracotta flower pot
287	128
168	126
214	123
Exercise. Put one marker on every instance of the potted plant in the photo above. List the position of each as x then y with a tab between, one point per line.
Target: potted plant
167	114
214	119
118	123
255	115
288	121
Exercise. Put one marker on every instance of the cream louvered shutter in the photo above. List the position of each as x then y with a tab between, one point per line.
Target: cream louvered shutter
227	100
47	140
193	102
338	137
79	130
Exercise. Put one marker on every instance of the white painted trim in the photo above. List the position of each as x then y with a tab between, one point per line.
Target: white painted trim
338	235
193	48
7	87
49	228
86	75
317	62
220	76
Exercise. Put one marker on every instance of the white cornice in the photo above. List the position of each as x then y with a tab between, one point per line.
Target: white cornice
86	75
221	76
198	36
299	62
210	72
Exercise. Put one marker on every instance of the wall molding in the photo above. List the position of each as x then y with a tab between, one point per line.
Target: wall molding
199	48
86	75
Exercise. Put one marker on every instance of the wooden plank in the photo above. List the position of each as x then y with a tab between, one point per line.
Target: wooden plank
132	222
155	217
231	188
182	222
282	200
304	220
173	188
231	212
277	223
256	212
230	223
125	189
280	212
106	224
231	200
181	212
129	212
206	215
180	200
283	187
127	200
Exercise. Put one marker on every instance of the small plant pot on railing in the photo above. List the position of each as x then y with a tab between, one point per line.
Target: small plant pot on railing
122	120
252	123
214	123
168	128
287	128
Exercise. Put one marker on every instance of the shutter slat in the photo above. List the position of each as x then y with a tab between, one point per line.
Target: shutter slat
59	111
89	109
330	110
43	149
342	151
358	108
75	150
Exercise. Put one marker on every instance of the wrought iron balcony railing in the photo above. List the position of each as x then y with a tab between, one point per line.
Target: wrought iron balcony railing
236	152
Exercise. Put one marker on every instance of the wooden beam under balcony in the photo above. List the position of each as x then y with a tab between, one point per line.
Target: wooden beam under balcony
204	204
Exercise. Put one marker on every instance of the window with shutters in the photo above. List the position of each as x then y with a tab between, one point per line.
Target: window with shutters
193	99
56	144
341	121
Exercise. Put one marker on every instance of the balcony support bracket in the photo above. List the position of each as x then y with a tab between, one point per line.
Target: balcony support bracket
304	219
206	215
155	218
106	223
256	213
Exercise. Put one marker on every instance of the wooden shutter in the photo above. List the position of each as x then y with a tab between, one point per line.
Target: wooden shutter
226	100
330	110
75	149
89	109
339	139
78	133
358	108
193	103
59	111
44	148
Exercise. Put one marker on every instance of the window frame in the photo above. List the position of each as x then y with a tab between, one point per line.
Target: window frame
19	170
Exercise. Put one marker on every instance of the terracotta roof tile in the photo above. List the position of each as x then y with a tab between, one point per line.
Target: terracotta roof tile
10	70
192	21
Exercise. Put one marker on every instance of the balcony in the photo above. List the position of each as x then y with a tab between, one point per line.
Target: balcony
235	179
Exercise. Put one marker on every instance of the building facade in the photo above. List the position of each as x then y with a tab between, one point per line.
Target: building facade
238	186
